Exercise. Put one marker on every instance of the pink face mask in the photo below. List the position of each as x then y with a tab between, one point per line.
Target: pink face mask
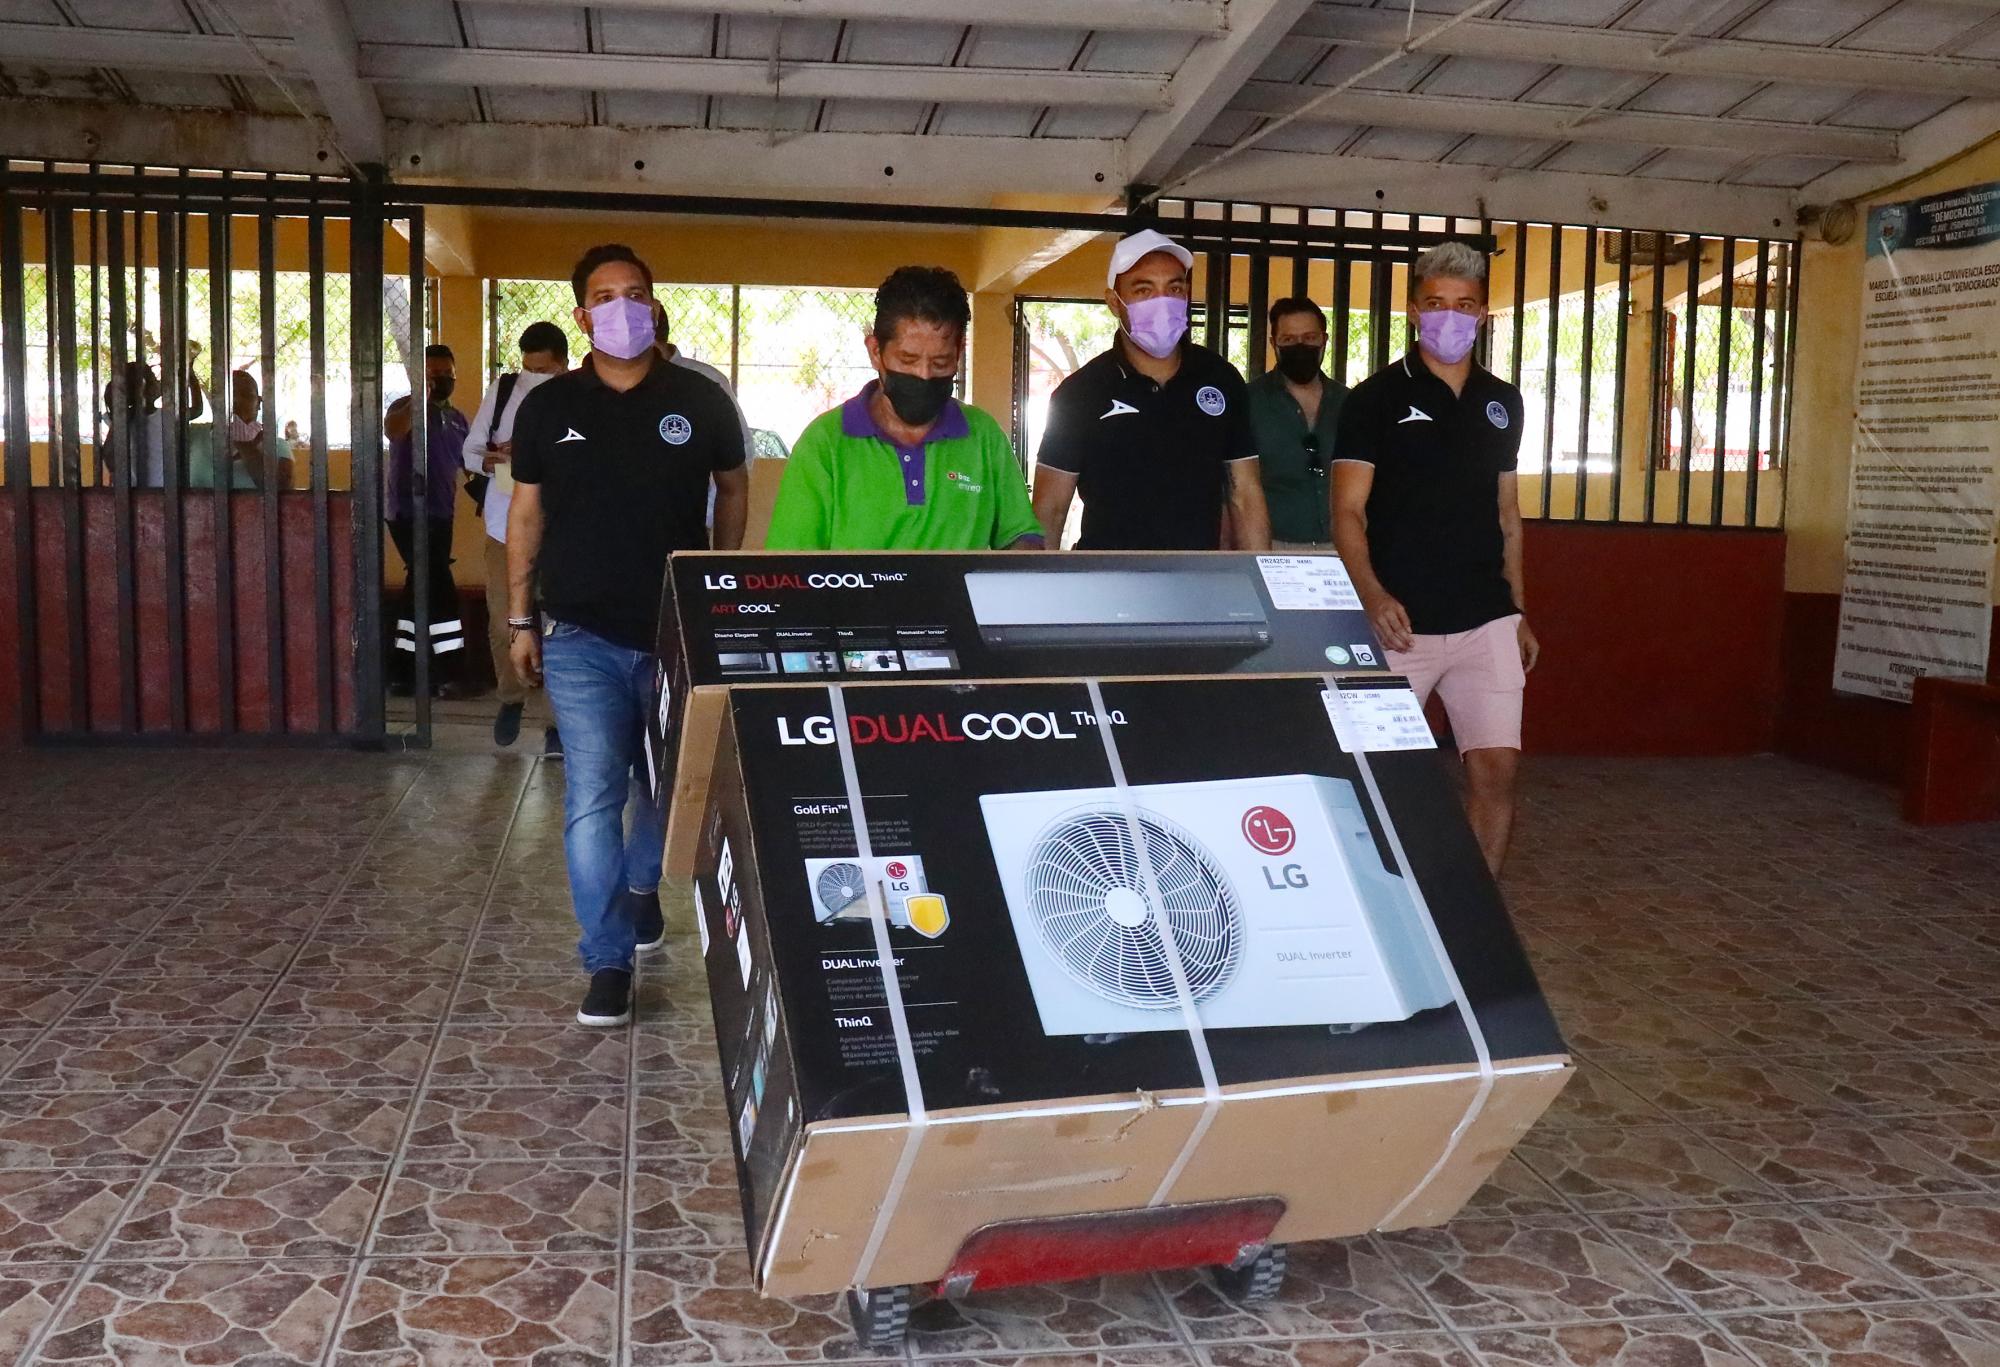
1157	325
1447	334
622	327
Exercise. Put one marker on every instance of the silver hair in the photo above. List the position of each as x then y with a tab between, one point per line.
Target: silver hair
1455	260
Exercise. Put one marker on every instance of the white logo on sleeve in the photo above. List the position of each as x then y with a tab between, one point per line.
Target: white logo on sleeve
675	430
1416	414
569	435
1496	413
1210	401
1117	406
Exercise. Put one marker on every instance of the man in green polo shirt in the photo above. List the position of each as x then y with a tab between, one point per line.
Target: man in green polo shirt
903	466
1295	411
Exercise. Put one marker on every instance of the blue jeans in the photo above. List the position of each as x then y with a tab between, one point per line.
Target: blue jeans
601	694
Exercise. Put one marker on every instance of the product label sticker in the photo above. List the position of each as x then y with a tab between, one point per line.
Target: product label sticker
701	918
725	871
1308	583
1372	719
743	959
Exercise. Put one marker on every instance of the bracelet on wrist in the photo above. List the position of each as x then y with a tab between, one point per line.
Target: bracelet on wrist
521	622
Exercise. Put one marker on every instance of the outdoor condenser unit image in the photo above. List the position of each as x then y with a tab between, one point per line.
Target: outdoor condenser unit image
1280	905
1026	608
840	887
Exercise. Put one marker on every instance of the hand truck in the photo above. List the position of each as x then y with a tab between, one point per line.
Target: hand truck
1230	1238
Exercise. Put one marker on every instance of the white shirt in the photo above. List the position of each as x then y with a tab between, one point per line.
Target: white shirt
687	362
500	493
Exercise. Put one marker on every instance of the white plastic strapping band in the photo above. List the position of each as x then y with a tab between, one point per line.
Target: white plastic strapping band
1466	1014
892	992
1211	1093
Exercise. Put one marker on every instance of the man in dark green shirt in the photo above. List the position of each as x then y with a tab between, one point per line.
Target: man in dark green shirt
1295	410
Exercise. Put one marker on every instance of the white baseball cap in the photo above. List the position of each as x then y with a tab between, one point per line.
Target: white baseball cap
1131	250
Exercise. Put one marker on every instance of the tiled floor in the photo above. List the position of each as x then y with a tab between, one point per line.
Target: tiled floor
285	1078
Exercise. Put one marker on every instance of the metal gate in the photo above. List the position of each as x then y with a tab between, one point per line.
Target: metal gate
168	580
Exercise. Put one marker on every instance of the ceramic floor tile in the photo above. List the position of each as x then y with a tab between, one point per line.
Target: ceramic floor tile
518	1122
293	1126
1375	1350
209	955
544	999
85	1129
220	1314
1697	1087
1754	1257
58	1214
29	1294
1967	1144
39	1001
1121	1312
204	1000
499	1310
14	1043
1346	1286
679	1122
1823	1159
316	1211
439	952
1515	1189
686	1203
1629	1343
564	1206
354	913
222	917
1897	1083
1944	1245
545	1053
497	958
1636	1168
1872	1336
696	1306
312	1057
344	999
140	1059
1486	1274
50	957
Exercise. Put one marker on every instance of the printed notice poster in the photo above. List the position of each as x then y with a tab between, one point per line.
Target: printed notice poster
1920	504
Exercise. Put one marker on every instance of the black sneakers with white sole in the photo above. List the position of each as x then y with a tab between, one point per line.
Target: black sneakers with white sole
649	925
609	1000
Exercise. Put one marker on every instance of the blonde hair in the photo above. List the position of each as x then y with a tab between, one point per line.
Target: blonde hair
1455	260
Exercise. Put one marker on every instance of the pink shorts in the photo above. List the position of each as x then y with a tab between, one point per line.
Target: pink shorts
1478	674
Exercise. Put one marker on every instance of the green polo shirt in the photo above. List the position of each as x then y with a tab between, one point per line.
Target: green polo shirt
848	487
1295	493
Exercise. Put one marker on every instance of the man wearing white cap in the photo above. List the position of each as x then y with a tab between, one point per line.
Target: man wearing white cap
1155	433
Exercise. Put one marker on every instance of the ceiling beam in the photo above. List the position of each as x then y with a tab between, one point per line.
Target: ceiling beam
326	49
132	49
1202	88
1421	187
1567	123
494	68
1649	53
1201	17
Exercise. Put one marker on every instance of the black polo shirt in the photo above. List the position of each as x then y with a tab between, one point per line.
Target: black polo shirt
1150	460
1434	509
624	481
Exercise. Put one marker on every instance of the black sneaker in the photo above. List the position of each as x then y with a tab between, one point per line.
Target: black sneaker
507	726
551	743
649	926
609	1001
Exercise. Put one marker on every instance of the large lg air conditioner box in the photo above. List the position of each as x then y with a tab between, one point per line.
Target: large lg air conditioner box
1280	905
1026	608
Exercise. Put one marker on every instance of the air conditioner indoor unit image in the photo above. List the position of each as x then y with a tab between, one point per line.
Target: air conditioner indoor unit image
1282	908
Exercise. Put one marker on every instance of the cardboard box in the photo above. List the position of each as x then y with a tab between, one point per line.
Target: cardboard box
735	620
1053	1065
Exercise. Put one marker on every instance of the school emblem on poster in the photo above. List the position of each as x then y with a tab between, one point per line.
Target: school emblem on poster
1210	401
675	430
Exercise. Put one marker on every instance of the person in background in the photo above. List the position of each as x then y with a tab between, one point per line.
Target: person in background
246	436
1427	516
139	391
1295	413
612	466
445	431
489	451
903	465
1155	433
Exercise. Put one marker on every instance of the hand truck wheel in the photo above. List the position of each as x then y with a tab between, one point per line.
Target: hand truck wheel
1254	1280
881	1317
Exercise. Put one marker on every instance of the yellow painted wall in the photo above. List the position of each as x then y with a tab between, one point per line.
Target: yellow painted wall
1823	404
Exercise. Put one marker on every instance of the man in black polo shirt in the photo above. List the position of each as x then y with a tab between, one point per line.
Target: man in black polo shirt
612	467
1155	433
1427	515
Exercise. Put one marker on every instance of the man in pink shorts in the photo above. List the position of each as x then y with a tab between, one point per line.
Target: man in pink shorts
1427	516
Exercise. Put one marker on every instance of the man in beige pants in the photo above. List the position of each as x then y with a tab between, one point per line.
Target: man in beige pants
488	449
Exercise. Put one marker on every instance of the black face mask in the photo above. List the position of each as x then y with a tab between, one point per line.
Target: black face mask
916	399
1299	362
441	388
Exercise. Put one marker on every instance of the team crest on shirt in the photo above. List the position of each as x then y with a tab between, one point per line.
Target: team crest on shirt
1210	401
1496	413
675	430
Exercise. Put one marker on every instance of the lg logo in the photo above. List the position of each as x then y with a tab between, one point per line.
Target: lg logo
1269	830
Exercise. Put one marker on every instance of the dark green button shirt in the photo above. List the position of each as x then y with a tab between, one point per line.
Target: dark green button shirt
1295	491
